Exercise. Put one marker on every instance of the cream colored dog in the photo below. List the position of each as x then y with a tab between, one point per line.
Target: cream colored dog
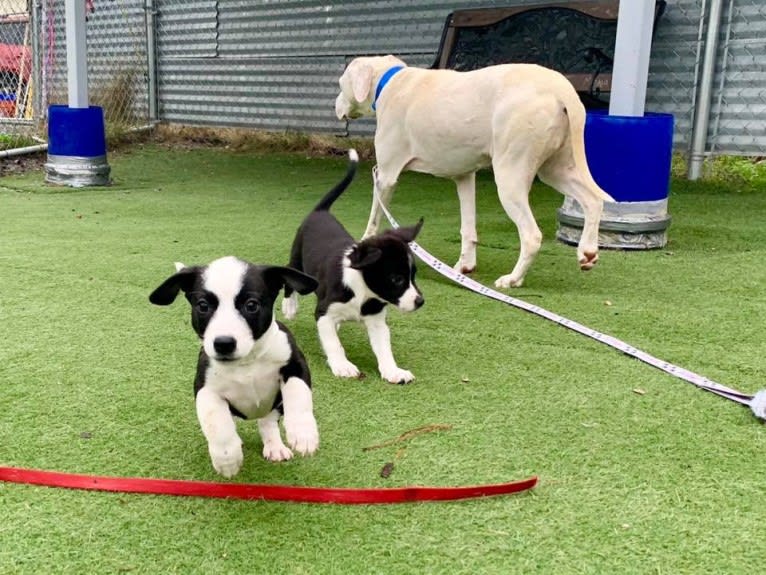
521	119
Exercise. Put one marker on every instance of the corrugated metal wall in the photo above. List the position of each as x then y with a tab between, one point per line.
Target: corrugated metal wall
274	64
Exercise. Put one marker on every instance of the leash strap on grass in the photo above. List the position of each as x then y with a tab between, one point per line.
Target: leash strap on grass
347	496
757	402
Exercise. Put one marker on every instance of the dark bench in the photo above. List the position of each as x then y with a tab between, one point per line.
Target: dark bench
574	38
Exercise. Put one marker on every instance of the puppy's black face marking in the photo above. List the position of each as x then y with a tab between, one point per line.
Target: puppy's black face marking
203	306
231	302
393	274
255	302
390	271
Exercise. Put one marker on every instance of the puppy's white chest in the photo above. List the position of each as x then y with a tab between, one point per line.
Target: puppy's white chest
352	309
250	389
348	311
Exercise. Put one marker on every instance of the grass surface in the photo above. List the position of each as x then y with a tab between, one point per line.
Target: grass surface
93	379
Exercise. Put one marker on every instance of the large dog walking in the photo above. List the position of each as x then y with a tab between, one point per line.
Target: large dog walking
522	119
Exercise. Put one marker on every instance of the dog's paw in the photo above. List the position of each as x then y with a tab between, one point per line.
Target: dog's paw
290	306
227	458
276	451
464	266
397	375
508	281
344	368
302	433
587	260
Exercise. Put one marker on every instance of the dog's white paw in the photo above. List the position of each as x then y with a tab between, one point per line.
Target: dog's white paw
276	451
227	458
464	266
290	306
508	281
397	375
587	259
344	368
302	433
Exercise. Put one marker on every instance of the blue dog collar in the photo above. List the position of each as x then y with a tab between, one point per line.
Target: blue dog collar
383	81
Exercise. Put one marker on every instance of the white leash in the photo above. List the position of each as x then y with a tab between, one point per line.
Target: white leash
757	402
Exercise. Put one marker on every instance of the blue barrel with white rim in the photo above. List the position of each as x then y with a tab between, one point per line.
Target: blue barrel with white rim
76	147
630	158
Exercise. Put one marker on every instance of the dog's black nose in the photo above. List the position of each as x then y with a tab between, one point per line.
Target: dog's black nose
419	301
224	344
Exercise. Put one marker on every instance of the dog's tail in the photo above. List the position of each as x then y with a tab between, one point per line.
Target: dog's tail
325	203
575	112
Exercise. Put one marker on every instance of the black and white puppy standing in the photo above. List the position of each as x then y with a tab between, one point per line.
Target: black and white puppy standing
249	364
356	281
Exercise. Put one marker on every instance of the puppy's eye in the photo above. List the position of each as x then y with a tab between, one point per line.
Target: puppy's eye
251	306
203	306
398	281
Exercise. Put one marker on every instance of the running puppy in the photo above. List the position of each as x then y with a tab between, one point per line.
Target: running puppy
249	364
356	281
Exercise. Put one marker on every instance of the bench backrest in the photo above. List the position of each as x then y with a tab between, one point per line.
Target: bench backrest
574	38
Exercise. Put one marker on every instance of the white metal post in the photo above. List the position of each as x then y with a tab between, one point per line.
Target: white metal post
76	54
631	57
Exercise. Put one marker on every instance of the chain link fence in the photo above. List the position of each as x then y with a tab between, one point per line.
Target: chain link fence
33	66
16	74
274	65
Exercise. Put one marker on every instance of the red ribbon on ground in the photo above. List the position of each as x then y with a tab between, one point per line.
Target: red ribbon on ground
348	496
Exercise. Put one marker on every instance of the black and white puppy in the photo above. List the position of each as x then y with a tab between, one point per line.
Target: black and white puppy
356	281
249	364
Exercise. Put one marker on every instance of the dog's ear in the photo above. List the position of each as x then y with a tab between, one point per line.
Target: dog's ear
408	234
278	276
361	82
363	255
183	279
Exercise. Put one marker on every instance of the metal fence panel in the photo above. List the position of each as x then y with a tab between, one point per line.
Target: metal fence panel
274	64
738	116
16	74
117	59
266	93
33	67
227	47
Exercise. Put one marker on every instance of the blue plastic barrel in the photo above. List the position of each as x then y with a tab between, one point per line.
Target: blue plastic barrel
629	157
76	132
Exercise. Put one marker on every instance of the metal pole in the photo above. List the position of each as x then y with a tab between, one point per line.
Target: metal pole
76	54
37	63
633	44
702	115
151	57
22	151
722	74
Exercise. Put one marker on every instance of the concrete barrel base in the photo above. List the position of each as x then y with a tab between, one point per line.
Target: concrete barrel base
626	226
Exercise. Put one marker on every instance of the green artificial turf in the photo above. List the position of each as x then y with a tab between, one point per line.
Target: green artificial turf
639	472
